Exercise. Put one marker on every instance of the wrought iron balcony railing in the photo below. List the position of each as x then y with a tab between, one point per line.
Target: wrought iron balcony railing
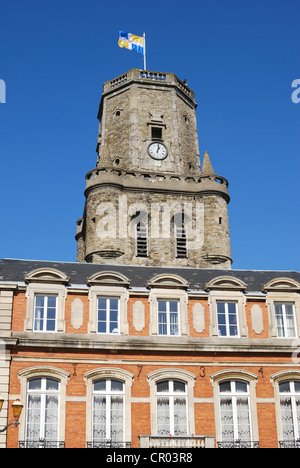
238	444
108	443
289	443
41	443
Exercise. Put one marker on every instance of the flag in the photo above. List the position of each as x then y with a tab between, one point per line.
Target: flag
131	42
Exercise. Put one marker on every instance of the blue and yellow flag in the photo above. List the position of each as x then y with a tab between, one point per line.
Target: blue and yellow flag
131	42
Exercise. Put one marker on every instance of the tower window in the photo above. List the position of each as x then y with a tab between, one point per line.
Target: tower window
141	235
180	236
156	133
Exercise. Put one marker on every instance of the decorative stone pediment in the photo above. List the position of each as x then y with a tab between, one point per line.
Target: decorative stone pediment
168	281
109	278
282	285
228	283
47	275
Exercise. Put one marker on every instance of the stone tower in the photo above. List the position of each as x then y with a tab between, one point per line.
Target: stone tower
147	201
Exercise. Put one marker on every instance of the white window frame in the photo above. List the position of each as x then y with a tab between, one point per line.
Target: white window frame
168	316
50	373
172	374
113	292
108	393
114	373
108	315
292	395
284	316
45	311
40	289
234	396
43	393
171	395
243	376
227	324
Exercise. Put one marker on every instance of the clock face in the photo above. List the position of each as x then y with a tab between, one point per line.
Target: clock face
157	151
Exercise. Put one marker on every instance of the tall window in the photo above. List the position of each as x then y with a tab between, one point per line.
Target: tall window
227	318
140	220
108	412
168	317
285	320
180	236
171	398
290	409
42	415
235	411
108	315
45	311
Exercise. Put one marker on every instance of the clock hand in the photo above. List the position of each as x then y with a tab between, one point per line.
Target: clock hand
158	148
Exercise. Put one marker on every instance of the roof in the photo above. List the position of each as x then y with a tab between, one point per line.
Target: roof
14	270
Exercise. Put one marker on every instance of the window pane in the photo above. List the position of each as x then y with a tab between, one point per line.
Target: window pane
99	418
52	384
174	324
39	301
34	384
225	387
162	386
114	304
173	306
51	417
101	303
284	387
241	387
163	416
162	323
52	301
180	417
297	387
117	386
287	419
99	385
243	419
162	306
117	418
227	419
33	417
179	386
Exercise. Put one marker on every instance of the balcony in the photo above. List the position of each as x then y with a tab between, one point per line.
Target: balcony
244	444
41	443
187	442
289	444
108	444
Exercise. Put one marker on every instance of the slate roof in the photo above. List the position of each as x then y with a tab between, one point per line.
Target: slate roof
14	270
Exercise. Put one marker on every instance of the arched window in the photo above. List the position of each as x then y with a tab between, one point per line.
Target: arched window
289	394
42	413
235	411
108	413
171	400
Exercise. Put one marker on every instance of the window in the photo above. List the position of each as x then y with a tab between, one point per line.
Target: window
42	415
235	411
108	412
141	239
108	315
45	312
289	393
227	318
285	320
171	408
156	133
180	239
168	317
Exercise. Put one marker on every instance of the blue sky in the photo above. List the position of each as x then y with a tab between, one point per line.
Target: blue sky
240	58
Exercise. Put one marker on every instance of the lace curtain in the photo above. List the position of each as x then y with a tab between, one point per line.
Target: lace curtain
108	409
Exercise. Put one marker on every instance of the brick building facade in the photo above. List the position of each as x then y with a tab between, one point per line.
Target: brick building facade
150	340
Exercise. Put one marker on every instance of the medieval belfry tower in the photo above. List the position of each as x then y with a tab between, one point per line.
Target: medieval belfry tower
148	201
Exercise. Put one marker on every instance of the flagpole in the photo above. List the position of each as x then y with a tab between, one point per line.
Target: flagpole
144	36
